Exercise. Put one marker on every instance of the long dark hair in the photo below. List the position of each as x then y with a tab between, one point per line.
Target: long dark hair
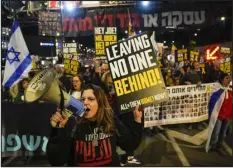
104	116
21	84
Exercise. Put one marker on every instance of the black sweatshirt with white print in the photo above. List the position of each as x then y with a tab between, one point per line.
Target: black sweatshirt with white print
74	145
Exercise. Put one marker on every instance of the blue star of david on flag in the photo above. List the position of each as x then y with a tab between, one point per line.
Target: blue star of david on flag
18	60
16	55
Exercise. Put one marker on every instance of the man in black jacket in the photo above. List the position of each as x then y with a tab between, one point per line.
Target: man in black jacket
193	77
213	73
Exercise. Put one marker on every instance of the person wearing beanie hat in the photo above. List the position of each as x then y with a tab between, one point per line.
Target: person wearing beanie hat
220	112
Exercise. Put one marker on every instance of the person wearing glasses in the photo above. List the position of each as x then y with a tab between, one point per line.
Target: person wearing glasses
77	86
91	140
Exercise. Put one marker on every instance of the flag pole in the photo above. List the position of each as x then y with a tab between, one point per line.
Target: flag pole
129	14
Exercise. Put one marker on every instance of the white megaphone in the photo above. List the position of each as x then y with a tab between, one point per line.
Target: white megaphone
45	87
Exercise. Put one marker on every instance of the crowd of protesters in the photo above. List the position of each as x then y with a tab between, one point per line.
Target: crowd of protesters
184	73
187	72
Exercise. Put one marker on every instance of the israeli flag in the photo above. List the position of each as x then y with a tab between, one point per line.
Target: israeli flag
18	59
219	93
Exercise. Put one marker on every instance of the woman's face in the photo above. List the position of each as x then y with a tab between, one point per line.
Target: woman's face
76	83
25	84
226	81
90	103
109	80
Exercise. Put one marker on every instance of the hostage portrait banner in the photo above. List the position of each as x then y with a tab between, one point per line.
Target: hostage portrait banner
136	74
186	104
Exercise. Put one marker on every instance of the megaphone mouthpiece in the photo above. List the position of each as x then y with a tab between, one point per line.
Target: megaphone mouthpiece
75	106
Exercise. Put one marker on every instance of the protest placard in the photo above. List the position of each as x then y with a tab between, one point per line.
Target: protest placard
136	74
225	65
104	36
194	56
70	54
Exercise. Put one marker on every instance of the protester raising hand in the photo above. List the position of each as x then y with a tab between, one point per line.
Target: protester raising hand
137	114
60	118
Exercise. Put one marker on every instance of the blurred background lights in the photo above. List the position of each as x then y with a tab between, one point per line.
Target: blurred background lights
145	3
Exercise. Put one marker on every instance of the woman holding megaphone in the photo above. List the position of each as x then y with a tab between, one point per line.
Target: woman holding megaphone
91	140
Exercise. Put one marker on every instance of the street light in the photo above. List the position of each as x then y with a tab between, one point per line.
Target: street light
69	5
223	18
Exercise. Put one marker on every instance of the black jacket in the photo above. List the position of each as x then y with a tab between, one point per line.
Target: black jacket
213	75
192	77
76	148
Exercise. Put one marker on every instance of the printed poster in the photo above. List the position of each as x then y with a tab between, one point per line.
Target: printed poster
71	61
136	74
225	65
104	36
186	104
194	56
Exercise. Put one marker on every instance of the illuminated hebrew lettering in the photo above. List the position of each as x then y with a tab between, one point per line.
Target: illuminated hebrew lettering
45	139
31	146
14	141
3	143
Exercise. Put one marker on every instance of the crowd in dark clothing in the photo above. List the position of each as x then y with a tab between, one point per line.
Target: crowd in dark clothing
190	73
173	74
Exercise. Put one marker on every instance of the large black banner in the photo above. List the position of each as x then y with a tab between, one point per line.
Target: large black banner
136	74
25	127
82	21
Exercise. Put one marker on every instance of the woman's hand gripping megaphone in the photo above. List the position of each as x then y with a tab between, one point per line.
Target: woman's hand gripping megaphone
59	119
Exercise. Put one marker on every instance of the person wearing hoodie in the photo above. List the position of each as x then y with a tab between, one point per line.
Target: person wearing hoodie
91	140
